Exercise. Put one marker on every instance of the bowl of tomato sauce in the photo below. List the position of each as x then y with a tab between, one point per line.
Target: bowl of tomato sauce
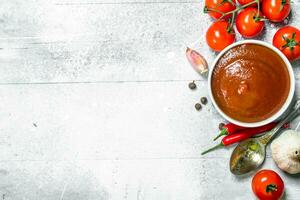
251	83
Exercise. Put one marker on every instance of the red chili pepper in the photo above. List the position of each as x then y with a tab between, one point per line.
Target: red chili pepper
242	135
230	128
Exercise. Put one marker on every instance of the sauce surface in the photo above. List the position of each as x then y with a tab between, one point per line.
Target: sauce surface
250	83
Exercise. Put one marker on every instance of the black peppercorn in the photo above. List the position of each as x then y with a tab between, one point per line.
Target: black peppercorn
192	85
203	100
198	106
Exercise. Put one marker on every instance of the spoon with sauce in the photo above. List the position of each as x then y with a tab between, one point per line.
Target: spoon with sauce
251	153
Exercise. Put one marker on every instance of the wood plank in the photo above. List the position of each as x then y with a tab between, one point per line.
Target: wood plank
47	42
97	2
83	2
130	179
106	121
109	120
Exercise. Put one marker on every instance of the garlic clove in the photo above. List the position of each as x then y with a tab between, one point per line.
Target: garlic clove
197	61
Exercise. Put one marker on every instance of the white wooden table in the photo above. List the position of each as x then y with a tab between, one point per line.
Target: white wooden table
95	103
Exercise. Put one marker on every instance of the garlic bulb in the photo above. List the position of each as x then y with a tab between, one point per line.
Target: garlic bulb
286	151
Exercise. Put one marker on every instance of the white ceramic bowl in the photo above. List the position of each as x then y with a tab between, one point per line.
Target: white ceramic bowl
284	107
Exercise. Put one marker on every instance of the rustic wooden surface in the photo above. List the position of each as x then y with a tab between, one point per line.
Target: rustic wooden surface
95	103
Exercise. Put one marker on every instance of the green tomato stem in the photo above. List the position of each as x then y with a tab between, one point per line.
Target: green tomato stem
233	12
271	188
258	8
232	22
291	43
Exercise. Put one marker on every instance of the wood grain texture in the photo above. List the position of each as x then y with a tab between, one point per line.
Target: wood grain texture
114	141
95	103
49	42
134	179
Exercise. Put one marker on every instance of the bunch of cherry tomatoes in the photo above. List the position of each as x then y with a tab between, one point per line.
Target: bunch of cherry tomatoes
249	17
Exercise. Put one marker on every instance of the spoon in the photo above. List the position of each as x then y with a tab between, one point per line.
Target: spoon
250	154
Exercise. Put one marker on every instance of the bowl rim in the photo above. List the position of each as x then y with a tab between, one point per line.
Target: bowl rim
287	102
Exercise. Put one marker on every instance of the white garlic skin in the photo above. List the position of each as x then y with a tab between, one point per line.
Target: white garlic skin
197	61
286	151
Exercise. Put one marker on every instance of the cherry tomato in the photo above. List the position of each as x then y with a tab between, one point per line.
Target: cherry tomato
244	2
267	185
276	10
219	6
287	40
248	23
219	35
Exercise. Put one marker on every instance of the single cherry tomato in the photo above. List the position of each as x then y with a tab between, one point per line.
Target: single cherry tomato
244	2
249	22
215	8
276	10
287	40
267	185
219	35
